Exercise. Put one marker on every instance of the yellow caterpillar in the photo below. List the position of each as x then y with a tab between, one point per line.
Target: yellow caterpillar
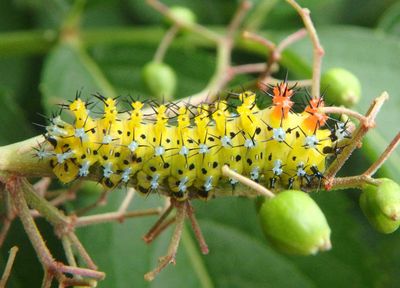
275	145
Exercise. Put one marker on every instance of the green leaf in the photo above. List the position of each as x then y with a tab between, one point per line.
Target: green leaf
207	11
349	245
122	65
17	127
48	13
390	20
240	260
78	71
119	250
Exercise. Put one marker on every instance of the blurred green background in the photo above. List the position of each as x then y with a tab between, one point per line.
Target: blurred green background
118	38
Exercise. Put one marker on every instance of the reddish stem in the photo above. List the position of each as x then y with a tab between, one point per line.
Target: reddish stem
196	229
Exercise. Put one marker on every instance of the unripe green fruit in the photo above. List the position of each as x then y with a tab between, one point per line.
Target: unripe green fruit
343	87
294	223
160	79
183	15
381	205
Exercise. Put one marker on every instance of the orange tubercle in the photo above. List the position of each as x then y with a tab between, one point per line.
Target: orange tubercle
316	118
281	100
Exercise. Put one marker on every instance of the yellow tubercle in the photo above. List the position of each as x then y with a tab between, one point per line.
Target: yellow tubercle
202	120
136	114
110	111
220	116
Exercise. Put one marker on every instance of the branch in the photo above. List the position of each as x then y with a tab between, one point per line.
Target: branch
356	140
19	190
7	270
150	235
317	48
9	217
237	19
173	246
227	172
343	110
275	51
196	229
82	251
388	151
165	43
19	158
114	216
352	182
15	188
201	30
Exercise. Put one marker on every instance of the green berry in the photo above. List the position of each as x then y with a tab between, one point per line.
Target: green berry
160	79
294	223
381	205
343	87
183	15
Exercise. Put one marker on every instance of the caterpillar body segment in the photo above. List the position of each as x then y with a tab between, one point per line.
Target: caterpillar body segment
184	155
178	181
228	131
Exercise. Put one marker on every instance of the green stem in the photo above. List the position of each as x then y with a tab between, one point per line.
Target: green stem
82	251
220	76
193	27
47	279
7	270
48	211
95	71
223	61
357	182
358	136
24	194
173	245
73	18
165	43
19	158
259	14
27	42
30	227
9	215
68	251
41	41
123	35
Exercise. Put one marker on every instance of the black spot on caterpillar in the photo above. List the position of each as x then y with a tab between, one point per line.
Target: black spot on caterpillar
187	153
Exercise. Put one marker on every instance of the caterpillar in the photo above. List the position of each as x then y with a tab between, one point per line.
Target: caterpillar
184	153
